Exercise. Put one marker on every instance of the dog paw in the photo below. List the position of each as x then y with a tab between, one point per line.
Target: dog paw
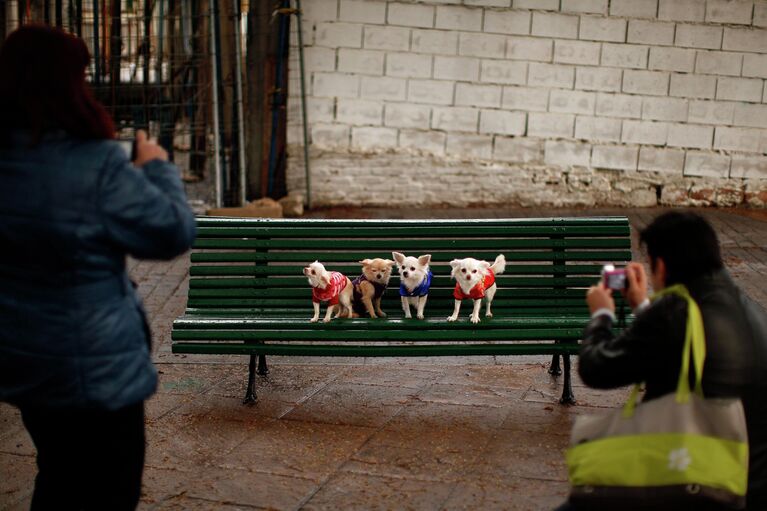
381	314
452	318
313	320
420	316
489	315
475	319
326	320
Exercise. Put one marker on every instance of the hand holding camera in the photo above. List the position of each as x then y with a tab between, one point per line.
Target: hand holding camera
147	150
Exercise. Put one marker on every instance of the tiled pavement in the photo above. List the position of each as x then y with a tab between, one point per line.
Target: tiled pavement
431	433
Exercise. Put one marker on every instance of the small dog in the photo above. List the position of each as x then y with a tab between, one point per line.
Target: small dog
415	280
475	280
329	286
370	286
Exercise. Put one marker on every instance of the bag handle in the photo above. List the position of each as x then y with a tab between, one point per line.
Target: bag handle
694	342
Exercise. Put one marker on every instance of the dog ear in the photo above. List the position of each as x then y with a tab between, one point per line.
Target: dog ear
483	267
399	257
389	262
424	259
455	264
306	271
366	262
325	277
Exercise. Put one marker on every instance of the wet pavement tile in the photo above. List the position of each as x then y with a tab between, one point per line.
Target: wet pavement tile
364	492
505	376
471	395
183	503
409	377
355	405
534	418
422	417
15	487
519	454
507	494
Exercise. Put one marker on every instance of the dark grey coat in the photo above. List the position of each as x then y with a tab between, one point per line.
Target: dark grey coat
72	328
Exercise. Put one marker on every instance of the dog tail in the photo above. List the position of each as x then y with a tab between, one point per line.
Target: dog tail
499	265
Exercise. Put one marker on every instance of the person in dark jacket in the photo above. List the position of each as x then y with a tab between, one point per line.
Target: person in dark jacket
75	353
683	249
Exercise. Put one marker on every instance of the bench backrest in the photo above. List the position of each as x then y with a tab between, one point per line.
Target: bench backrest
253	267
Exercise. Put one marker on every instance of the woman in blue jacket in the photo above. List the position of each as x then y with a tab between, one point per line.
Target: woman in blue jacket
74	342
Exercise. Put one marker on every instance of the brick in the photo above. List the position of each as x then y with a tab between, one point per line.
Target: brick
459	18
692	86
503	71
360	61
431	92
689	135
482	45
455	119
546	5
672	59
598	79
488	3
566	154
321	10
576	52
405	115
738	139
572	102
528	48
320	109
598	128
748	167
363	11
335	84
595	28
438	42
473	146
739	89
634	8
359	112
508	22
619	105
650	32
711	112
682	10
550	125
745	39
729	11
718	63
520	150
467	94
319	59
755	65
387	38
550	75
411	15
754	116
369	138
624	55
526	98
563	26
585	6
502	122
644	132
335	136
430	142
336	35
760	13
664	109
699	36
703	164
655	159
614	157
645	82
408	65
390	89
456	68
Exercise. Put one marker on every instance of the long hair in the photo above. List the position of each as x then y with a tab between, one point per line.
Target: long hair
43	88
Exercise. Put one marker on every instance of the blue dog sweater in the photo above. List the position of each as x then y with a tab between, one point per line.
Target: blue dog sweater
421	290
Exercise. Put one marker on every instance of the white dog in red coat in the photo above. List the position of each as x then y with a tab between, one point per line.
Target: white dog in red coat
476	280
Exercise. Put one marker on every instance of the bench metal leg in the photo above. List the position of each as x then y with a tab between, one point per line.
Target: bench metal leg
554	368
567	390
263	370
250	394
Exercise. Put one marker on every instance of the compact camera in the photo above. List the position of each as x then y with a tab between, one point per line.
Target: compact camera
129	146
614	278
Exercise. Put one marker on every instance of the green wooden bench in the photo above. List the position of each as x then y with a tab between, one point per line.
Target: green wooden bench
248	296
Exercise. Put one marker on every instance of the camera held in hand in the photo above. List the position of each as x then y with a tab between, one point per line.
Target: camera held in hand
613	278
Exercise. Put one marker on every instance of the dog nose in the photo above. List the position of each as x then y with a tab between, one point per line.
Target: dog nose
379	276
404	274
468	277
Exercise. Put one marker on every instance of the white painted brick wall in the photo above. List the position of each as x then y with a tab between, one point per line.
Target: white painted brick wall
602	91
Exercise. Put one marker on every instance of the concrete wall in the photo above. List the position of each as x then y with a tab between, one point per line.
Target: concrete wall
533	102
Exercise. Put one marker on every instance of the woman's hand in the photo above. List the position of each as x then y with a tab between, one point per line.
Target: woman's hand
636	292
600	297
147	150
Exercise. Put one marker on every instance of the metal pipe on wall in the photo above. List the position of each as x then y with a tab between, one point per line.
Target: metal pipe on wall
238	92
303	104
214	94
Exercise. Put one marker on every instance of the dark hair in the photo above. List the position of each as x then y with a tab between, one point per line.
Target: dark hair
687	244
42	86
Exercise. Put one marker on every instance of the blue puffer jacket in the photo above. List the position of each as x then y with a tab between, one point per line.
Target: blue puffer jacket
73	332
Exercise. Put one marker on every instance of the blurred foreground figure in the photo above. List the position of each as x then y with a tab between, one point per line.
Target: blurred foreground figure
74	340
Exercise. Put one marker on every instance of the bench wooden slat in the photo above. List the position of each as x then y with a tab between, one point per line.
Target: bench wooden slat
499	245
208	221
